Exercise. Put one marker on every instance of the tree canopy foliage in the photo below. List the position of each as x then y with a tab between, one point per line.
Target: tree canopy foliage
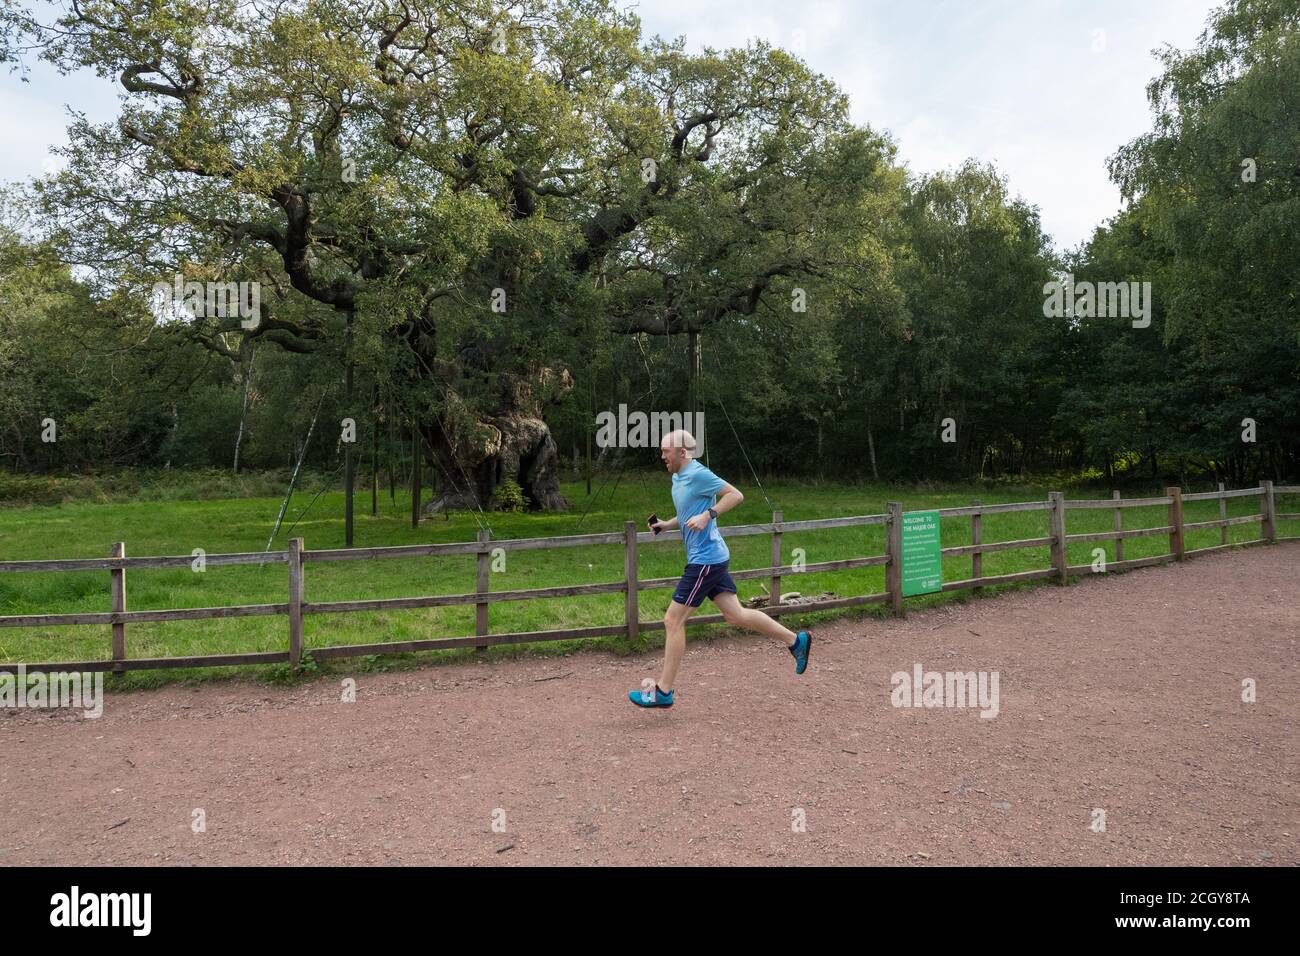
493	222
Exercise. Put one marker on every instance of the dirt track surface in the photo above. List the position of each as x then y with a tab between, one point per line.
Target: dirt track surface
1120	693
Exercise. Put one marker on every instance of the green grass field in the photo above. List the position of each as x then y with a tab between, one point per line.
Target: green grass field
175	527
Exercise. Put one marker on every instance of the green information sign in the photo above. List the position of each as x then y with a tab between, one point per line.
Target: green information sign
922	560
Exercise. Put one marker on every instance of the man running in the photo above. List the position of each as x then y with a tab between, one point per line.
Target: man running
694	494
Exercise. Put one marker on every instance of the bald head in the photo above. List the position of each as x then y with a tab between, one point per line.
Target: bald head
680	438
677	449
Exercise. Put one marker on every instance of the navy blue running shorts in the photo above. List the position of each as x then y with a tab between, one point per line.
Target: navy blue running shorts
700	581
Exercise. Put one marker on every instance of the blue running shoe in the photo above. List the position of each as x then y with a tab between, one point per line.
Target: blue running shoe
651	698
802	645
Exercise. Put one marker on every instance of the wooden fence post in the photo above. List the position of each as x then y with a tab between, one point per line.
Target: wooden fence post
1269	525
1119	526
117	579
775	597
1060	557
631	613
296	583
976	535
482	586
1176	523
1223	515
894	550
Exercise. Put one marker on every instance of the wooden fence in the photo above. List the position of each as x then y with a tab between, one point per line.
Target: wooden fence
297	557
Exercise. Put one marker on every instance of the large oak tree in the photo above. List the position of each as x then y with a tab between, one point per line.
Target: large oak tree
455	195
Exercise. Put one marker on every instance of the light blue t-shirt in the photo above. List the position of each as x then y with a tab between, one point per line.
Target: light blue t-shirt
695	490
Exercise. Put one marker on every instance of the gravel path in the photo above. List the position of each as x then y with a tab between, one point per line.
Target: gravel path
1122	694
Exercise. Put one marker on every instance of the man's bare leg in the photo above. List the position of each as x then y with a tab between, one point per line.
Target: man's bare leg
675	642
740	616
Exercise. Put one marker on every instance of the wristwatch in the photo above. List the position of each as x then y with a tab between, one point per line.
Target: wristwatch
713	514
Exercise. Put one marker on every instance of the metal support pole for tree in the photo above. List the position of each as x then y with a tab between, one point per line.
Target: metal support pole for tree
415	475
374	450
349	458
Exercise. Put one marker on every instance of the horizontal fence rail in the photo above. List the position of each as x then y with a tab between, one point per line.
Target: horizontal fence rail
296	557
121	564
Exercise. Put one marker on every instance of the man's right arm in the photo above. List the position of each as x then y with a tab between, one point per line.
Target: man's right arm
670	525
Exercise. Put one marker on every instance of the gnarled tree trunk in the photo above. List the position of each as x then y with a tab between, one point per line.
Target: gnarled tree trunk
478	453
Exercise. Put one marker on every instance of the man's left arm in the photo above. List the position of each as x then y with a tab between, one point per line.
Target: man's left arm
729	498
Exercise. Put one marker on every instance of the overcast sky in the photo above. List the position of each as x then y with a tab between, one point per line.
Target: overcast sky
1044	89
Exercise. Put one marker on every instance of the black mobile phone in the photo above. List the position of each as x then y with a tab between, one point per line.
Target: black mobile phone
652	521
